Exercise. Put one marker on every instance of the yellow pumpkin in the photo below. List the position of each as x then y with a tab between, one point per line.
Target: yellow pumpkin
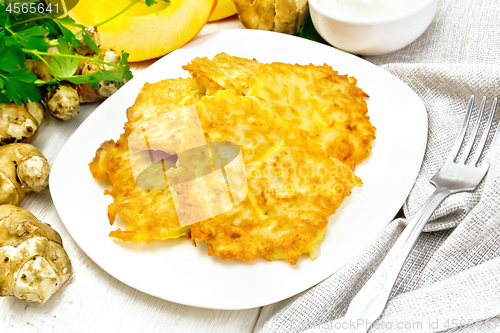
144	32
224	8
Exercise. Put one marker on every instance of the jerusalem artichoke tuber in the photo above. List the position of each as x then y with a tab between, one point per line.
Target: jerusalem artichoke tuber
20	123
106	88
63	102
23	169
33	262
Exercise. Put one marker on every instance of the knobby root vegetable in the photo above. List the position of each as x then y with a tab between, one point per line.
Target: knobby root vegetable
20	123
23	169
113	58
41	70
285	16
106	88
37	110
86	93
63	102
33	262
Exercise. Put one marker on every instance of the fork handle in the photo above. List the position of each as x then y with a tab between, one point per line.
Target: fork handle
370	301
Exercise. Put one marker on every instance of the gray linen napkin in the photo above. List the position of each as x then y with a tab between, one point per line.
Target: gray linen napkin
451	280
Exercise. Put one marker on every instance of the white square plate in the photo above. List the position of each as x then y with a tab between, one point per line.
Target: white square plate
175	270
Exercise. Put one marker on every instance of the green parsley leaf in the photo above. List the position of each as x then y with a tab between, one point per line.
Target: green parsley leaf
53	29
70	37
104	75
19	86
152	2
77	79
68	20
124	69
9	58
3	15
3	98
61	67
90	43
32	38
4	20
94	81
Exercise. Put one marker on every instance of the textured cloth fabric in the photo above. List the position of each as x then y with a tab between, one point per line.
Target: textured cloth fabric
451	280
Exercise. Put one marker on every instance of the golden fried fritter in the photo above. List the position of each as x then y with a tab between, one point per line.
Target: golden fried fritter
279	115
150	213
291	195
223	72
328	107
293	187
161	97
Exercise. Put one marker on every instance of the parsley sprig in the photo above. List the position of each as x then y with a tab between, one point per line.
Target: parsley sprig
29	36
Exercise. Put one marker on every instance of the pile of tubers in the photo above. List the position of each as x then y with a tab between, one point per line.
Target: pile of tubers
20	123
63	100
33	262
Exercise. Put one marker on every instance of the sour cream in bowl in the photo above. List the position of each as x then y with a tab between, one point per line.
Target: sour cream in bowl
371	27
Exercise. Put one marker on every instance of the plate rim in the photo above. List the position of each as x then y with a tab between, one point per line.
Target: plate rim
54	179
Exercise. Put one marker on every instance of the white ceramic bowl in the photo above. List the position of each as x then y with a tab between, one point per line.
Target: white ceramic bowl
372	36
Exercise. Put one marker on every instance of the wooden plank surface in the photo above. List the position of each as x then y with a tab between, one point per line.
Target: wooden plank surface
93	301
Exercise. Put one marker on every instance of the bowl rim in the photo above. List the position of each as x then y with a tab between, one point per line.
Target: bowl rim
371	21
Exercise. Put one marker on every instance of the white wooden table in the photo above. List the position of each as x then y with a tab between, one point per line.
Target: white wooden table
93	301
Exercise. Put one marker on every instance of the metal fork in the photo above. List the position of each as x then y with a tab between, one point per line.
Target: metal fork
454	176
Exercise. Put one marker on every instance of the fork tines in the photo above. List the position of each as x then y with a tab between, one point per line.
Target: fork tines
473	137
